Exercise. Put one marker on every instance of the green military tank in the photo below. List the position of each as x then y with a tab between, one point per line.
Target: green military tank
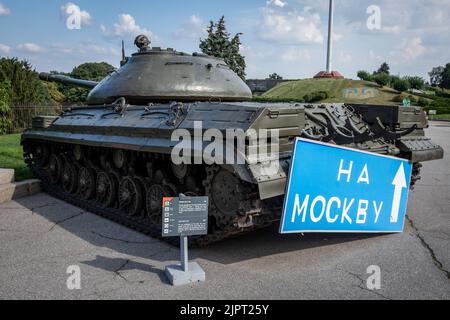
113	156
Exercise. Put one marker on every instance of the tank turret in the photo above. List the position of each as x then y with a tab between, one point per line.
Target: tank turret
159	75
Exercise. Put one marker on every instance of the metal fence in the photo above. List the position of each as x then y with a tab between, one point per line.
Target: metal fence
22	115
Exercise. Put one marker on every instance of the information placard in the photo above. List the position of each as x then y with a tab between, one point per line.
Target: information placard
185	216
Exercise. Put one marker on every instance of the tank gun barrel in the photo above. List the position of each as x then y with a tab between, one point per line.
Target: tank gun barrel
67	80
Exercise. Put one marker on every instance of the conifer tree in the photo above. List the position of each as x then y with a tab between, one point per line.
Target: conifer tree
218	44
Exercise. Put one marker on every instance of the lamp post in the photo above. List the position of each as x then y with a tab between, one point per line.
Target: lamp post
330	36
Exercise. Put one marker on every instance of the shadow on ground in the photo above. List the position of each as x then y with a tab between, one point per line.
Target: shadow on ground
100	232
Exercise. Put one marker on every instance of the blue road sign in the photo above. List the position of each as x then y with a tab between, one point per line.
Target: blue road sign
338	189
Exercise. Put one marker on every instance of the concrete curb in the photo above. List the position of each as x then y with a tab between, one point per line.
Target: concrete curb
440	120
6	176
10	190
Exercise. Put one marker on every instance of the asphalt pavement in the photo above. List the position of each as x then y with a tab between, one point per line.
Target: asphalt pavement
41	237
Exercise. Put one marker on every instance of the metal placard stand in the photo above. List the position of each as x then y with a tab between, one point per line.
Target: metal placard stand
186	272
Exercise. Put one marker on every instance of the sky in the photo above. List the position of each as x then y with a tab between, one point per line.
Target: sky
283	36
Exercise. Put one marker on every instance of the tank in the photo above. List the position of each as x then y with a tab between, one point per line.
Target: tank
114	155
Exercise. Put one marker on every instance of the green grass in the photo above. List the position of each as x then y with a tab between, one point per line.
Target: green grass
441	117
11	156
296	90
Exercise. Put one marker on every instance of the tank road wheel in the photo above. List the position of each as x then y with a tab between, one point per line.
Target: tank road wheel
40	155
180	171
224	192
55	168
119	158
69	178
225	199
106	190
86	183
130	196
153	202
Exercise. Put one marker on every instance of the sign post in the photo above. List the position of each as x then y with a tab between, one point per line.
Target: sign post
432	113
336	189
184	253
183	217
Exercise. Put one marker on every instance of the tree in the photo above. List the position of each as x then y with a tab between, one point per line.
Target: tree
55	94
5	120
218	44
364	75
94	71
401	85
384	68
416	82
382	79
25	86
446	77
436	76
236	61
394	78
275	76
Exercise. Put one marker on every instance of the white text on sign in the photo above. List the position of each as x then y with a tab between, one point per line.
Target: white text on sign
335	209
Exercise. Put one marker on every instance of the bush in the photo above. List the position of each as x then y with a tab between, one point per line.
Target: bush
442	94
398	98
316	96
382	79
423	102
401	85
264	99
308	98
416	82
442	106
364	75
413	99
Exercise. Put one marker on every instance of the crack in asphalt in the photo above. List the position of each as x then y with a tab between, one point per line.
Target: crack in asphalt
51	204
362	287
430	250
121	240
65	220
32	210
117	271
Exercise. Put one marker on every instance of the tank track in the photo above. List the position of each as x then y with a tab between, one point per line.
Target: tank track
228	227
415	176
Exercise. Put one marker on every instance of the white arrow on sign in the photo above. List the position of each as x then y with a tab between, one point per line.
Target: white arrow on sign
400	183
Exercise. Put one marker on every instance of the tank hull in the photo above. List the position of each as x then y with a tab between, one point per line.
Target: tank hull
117	162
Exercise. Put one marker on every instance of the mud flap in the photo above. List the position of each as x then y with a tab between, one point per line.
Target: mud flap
421	149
